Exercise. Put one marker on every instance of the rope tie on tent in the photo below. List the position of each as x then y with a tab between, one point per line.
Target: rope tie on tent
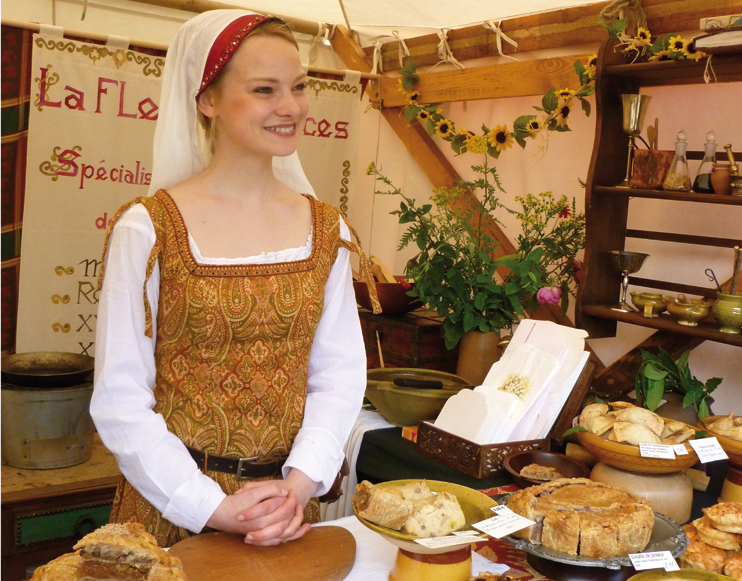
322	36
444	51
378	65
403	50
500	36
615	10
709	71
345	16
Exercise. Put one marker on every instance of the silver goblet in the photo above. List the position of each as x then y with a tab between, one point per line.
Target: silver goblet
634	108
627	263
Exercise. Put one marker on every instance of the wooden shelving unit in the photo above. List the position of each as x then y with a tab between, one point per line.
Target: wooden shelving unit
607	206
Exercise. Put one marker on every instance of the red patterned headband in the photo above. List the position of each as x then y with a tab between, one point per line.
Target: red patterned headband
227	43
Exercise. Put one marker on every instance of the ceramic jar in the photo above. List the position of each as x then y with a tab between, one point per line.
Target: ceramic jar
727	311
721	178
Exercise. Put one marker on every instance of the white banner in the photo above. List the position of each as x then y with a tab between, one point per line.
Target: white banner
329	146
91	126
90	150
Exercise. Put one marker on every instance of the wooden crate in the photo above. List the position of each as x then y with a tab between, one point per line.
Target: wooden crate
486	460
411	340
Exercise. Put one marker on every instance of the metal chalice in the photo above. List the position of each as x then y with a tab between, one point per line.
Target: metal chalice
626	263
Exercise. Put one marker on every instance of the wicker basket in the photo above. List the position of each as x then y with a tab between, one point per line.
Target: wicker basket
486	460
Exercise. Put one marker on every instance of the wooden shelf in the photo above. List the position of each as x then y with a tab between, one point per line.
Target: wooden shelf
705	330
728	68
672	196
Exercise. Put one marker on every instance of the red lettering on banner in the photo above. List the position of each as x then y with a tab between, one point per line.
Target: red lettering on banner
323	126
342	130
43	101
76	100
121	102
102	91
69	167
102	221
306	124
153	109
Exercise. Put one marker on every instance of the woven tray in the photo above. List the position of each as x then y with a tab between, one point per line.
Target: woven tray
485	460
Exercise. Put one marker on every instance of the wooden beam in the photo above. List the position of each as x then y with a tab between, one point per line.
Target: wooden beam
554	29
521	79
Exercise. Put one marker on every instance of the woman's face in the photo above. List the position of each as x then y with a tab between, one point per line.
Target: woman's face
259	105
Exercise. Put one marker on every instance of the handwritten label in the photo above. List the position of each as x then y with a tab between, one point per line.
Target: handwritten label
449	541
504	523
680	450
708	450
656	451
655	560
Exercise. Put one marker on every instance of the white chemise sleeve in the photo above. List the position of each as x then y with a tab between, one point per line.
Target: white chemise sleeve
153	460
337	379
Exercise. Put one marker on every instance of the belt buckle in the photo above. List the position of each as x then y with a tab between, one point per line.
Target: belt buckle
241	466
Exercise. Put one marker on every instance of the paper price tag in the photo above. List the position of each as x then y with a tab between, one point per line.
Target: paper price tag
708	450
656	451
504	523
449	541
680	450
655	560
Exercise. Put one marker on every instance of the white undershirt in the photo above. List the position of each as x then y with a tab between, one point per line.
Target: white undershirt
154	460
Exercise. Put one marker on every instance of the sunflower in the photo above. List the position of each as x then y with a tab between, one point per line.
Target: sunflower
444	128
565	94
677	44
413	97
643	35
563	116
500	138
466	133
692	53
533	127
663	55
423	116
477	144
592	61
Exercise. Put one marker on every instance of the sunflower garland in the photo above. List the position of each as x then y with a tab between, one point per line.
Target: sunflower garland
671	46
555	108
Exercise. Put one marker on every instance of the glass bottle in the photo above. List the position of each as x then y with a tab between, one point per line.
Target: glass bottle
702	183
678	177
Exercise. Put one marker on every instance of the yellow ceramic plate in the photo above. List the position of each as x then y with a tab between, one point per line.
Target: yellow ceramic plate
681	575
475	506
628	457
733	448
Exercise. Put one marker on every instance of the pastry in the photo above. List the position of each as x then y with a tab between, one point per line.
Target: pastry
538	472
579	516
642	417
733	567
411	508
385	507
594	410
600	424
716	538
114	552
700	555
634	434
726	516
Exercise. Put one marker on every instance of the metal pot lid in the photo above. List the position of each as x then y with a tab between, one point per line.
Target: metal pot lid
47	369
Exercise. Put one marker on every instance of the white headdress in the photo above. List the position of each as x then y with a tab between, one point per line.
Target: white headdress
177	155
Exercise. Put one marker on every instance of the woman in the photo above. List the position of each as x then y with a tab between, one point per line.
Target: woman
245	359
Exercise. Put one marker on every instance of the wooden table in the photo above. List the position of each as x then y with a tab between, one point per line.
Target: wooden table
44	512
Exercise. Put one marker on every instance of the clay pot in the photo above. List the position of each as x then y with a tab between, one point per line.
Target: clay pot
477	352
727	311
721	178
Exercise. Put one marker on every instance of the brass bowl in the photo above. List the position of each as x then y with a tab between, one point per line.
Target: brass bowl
655	301
628	457
475	506
688	314
733	448
408	406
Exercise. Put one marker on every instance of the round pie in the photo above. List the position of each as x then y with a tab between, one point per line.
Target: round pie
726	516
715	537
733	567
580	517
700	555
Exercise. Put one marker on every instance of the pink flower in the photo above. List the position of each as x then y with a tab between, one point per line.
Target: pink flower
549	295
565	212
406	285
577	265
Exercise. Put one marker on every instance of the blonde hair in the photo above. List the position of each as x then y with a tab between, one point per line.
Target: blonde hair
206	128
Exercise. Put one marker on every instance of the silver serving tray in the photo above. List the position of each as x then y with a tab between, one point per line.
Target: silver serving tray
667	535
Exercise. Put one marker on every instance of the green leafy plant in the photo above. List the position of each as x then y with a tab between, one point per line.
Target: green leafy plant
660	374
454	270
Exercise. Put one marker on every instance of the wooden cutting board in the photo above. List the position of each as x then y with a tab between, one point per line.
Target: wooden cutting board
326	553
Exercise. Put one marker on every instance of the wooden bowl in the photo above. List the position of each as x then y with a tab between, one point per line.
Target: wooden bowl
567	467
628	457
733	448
393	298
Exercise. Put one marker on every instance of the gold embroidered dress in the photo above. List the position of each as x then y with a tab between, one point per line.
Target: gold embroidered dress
232	348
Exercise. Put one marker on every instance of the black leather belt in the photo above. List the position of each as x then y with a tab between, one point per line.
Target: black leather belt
242	468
